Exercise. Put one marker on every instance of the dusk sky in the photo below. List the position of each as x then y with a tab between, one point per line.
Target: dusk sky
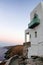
14	19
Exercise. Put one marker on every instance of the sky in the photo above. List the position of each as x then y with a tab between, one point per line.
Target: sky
14	19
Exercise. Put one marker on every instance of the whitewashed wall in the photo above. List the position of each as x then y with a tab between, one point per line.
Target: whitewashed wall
37	43
39	28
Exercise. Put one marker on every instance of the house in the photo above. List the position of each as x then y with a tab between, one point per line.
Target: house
35	32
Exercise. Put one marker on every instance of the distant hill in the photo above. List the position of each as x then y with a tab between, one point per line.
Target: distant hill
4	44
8	47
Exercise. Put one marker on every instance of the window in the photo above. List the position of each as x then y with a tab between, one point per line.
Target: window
35	34
30	35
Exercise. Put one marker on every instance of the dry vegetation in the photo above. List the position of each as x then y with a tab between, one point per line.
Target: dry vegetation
14	50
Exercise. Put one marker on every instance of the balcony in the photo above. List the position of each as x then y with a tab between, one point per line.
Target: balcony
35	22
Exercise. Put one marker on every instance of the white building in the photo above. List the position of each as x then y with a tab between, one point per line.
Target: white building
35	31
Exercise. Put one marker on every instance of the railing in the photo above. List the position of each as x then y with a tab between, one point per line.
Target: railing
34	23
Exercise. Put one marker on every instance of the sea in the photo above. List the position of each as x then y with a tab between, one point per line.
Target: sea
2	53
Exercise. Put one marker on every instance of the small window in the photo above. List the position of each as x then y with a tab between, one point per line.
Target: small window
35	34
30	35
